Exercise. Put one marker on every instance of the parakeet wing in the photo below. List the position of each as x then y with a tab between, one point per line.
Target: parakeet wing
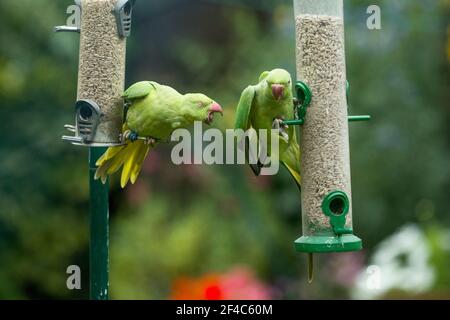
139	90
263	75
244	108
242	121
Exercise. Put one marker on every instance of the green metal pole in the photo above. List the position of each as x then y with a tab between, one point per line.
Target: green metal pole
99	231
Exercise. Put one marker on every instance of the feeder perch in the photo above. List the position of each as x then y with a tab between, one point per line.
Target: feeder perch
325	158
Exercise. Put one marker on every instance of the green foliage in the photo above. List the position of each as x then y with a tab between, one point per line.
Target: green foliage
43	193
162	241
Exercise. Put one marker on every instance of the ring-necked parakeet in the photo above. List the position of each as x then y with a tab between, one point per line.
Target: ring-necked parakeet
265	106
154	112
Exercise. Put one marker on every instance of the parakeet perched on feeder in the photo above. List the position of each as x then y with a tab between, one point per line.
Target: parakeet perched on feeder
265	106
154	112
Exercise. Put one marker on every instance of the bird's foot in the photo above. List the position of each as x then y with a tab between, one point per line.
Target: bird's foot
150	142
279	125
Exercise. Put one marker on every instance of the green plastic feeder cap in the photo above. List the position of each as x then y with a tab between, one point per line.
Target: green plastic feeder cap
332	233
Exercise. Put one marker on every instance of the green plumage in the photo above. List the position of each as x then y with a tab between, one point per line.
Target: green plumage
269	101
154	112
158	110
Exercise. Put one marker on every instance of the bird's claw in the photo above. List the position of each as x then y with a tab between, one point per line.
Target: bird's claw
279	125
150	141
133	136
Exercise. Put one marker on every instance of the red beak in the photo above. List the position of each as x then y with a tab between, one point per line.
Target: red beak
278	91
215	107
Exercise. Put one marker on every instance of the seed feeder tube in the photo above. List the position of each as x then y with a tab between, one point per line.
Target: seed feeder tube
325	156
105	24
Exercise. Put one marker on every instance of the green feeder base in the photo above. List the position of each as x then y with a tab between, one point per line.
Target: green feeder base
328	243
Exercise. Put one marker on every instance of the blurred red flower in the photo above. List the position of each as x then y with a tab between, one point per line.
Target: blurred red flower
237	284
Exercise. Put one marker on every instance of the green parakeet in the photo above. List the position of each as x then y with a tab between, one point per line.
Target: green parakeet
154	112
265	106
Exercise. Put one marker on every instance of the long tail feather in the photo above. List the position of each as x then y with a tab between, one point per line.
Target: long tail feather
291	160
136	169
130	157
295	174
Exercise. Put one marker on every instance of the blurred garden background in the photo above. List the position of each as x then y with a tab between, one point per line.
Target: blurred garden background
211	232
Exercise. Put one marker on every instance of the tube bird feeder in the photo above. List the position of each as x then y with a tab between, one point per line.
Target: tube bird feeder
99	109
325	156
105	24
